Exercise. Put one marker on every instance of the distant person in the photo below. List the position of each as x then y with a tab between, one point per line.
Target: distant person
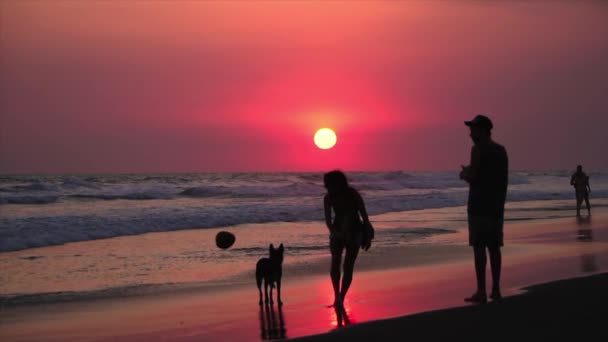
487	175
346	230
580	181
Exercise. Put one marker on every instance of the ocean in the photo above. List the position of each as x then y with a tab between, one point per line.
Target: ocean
94	228
37	211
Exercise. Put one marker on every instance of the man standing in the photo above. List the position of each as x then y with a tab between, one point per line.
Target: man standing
580	181
487	175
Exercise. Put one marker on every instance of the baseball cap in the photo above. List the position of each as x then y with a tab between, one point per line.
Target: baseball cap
480	121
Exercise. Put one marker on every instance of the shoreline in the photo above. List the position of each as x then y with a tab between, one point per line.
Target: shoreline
448	247
536	252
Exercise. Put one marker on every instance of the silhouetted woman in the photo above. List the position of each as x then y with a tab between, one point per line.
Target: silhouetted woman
346	229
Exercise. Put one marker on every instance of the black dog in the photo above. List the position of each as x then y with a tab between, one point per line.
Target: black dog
270	270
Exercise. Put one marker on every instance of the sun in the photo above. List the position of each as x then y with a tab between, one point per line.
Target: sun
325	138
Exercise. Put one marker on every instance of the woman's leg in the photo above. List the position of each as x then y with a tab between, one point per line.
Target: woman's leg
336	259
349	266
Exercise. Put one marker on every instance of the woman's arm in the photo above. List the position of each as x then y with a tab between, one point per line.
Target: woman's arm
327	205
368	230
361	207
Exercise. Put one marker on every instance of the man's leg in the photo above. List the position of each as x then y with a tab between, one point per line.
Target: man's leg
480	268
495	265
587	203
480	272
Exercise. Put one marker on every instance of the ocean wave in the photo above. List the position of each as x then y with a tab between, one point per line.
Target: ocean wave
288	190
129	196
76	182
35	186
403	180
145	187
41	199
188	201
205	191
43	230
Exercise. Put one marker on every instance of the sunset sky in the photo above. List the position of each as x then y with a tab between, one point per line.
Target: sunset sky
154	86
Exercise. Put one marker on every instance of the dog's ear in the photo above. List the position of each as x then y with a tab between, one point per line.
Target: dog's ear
281	247
271	247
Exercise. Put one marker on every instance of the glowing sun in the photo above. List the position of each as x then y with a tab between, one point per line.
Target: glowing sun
325	138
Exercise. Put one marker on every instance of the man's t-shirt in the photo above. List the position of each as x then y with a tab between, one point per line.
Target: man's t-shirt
487	193
580	181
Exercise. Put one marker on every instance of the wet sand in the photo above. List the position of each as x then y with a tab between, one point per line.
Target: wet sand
537	252
573	309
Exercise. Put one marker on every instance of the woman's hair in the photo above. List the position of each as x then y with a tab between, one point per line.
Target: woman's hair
335	181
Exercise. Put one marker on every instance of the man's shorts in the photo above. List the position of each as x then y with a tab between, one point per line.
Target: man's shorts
485	231
581	194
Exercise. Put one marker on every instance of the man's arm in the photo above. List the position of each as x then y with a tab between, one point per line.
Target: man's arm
473	169
572	180
588	184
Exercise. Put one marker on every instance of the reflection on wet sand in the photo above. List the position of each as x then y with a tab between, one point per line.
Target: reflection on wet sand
272	324
588	263
342	318
585	234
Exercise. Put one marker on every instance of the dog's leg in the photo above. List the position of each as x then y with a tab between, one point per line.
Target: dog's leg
258	281
271	286
266	290
279	301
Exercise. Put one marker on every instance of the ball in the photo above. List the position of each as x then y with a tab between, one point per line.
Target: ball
224	240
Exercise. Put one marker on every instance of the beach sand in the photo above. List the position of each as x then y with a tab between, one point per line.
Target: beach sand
536	251
573	309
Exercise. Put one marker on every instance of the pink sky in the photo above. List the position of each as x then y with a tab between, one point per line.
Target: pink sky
152	86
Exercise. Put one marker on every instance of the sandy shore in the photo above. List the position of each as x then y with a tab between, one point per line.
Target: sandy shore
573	309
537	252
